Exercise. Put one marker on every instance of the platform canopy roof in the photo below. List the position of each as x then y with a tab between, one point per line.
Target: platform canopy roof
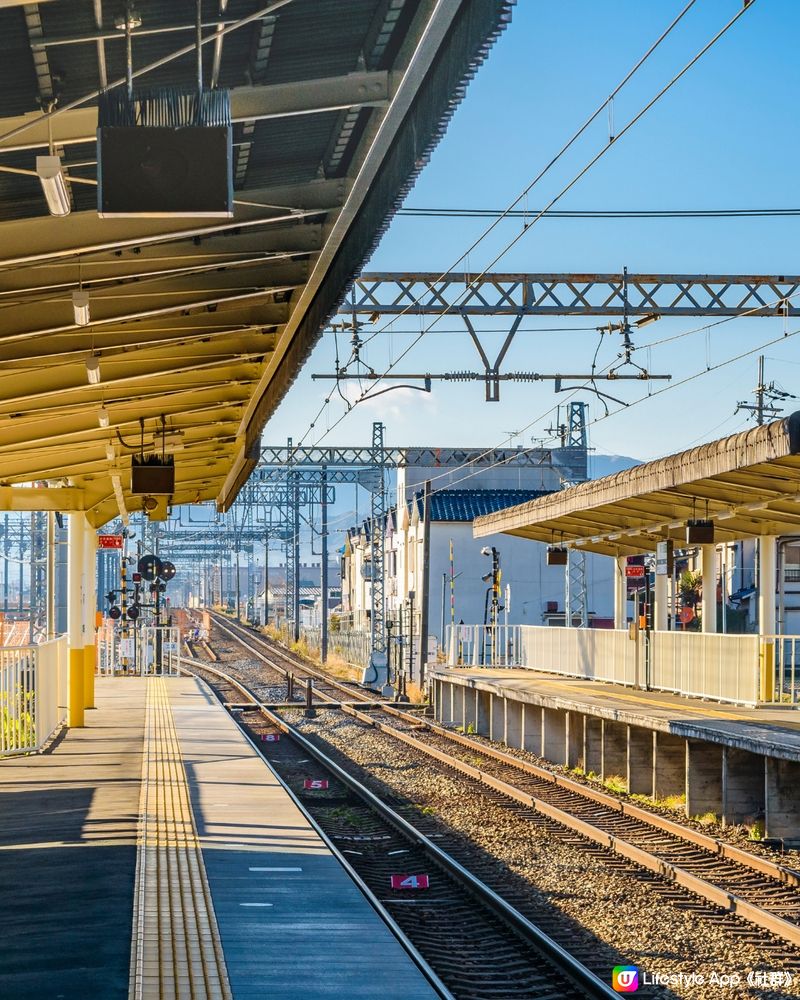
747	484
205	323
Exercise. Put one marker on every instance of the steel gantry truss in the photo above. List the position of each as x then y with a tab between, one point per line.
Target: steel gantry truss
637	298
381	294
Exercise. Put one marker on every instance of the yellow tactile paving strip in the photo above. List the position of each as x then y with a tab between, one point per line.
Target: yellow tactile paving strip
176	952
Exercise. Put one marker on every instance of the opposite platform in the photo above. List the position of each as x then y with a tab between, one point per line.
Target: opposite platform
773	731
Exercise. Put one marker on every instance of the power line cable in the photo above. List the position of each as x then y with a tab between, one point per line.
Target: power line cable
581	173
567	145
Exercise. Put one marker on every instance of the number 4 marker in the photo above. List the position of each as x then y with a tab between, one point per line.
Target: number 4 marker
410	882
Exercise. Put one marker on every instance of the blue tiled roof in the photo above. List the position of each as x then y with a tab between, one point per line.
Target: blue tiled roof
466	505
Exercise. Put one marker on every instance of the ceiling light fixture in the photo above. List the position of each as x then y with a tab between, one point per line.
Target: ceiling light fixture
93	369
54	185
102	416
80	306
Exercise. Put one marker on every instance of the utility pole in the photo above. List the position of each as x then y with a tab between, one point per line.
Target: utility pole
766	395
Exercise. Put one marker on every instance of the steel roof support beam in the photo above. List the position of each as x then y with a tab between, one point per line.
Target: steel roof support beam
248	104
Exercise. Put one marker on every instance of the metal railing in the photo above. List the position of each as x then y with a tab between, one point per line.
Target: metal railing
33	694
744	669
354	647
148	650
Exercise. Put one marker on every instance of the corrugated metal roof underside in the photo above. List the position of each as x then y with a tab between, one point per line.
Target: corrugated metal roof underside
747	485
202	322
466	505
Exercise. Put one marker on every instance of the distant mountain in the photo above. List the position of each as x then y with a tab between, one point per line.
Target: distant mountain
607	465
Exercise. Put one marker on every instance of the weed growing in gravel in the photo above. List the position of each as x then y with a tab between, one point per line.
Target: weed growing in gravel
675	802
347	815
707	819
578	772
755	830
616	783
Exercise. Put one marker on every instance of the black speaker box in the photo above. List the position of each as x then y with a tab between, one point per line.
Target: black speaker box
699	532
156	171
150	477
557	556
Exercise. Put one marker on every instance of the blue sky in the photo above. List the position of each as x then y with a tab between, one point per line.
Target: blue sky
723	137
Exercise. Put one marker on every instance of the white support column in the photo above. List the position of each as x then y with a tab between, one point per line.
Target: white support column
767	551
709	573
76	558
620	593
766	584
661	607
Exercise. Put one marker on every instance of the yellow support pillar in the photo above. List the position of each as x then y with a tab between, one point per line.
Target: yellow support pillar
767	679
89	603
76	557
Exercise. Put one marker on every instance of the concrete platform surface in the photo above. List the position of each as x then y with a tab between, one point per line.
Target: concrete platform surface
294	926
773	732
68	828
292	922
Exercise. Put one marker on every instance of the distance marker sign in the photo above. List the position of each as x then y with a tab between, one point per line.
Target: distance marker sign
315	783
410	881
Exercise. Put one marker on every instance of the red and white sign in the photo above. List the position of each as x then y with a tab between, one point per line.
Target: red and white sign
270	737
410	881
686	615
634	571
109	541
312	783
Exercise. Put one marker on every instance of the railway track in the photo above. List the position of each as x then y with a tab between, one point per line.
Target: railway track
496	953
740	883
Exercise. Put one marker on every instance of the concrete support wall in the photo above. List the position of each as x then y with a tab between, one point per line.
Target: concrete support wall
640	761
703	778
743	781
497	718
554	735
513	713
592	744
483	709
575	751
782	814
615	749
669	765
532	729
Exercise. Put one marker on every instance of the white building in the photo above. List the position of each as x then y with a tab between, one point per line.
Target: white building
451	583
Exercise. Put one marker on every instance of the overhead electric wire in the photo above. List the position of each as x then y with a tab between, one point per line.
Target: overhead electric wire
581	173
608	213
567	145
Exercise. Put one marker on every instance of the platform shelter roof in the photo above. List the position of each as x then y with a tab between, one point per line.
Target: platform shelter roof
747	485
336	106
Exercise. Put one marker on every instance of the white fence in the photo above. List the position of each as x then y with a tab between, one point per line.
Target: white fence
149	649
33	694
706	665
746	669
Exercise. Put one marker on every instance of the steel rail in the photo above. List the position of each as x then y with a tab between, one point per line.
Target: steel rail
565	963
729	901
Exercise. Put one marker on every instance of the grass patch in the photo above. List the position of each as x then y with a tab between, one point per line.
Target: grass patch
677	803
706	819
616	783
755	830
